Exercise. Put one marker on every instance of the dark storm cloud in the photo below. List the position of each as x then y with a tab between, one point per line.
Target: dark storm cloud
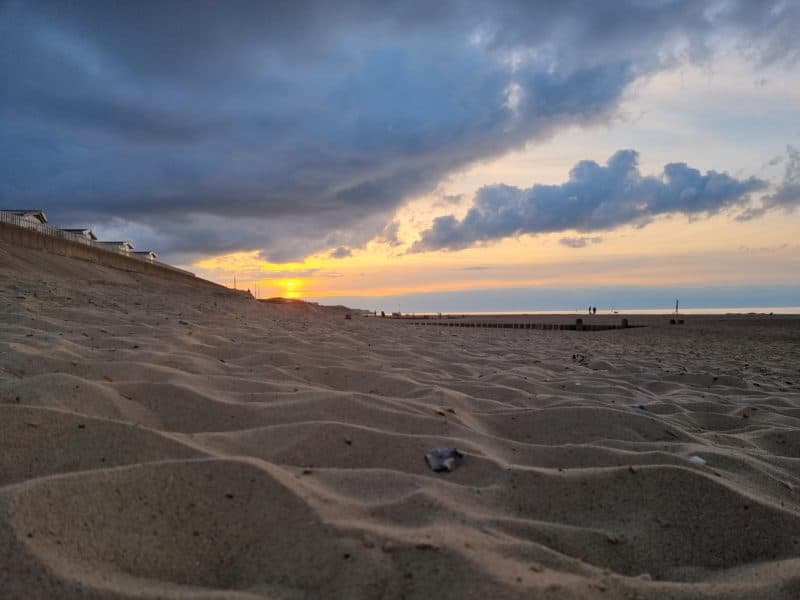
294	127
594	198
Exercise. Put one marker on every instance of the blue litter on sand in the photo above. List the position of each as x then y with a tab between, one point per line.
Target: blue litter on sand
640	407
444	459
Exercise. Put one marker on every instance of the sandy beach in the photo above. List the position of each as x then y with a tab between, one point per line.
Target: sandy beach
162	439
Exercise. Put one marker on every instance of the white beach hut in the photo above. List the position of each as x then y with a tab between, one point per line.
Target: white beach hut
147	255
23	216
121	247
83	232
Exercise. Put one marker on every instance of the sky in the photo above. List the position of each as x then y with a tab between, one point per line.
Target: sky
449	156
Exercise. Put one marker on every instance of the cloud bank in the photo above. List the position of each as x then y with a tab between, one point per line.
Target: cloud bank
297	127
579	242
341	252
786	196
595	198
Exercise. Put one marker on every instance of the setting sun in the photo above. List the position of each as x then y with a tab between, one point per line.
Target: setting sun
292	288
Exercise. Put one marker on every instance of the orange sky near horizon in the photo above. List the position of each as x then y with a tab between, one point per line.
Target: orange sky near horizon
670	251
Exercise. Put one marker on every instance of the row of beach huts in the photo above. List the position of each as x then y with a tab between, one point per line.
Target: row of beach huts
37	219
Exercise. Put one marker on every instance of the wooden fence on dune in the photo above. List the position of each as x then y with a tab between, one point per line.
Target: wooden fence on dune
54	233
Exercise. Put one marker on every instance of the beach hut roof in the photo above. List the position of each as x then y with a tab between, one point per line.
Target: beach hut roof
82	231
128	244
37	213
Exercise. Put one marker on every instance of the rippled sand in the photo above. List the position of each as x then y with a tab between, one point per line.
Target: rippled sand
165	440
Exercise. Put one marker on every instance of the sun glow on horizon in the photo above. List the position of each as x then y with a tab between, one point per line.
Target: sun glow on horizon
293	289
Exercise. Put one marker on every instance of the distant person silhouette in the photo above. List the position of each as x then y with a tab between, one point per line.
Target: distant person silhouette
594	310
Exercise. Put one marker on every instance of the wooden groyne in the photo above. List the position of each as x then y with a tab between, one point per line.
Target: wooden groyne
579	325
